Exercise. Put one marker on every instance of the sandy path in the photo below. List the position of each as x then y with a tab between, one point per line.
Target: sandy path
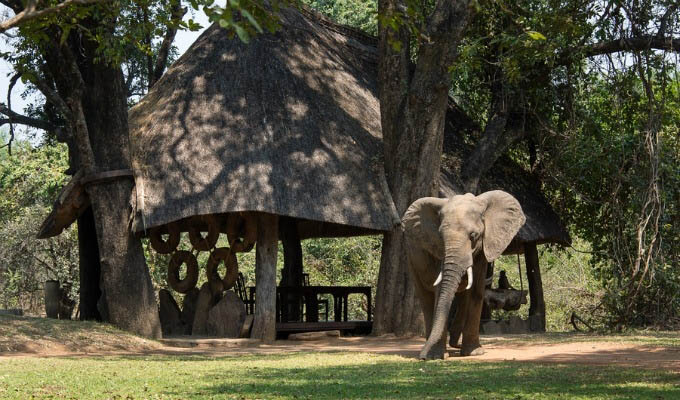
590	352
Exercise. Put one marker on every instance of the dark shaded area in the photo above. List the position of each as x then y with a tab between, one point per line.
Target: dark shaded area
90	268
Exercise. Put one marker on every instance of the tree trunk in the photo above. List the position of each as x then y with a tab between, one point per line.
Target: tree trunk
96	106
537	304
90	269
413	108
264	323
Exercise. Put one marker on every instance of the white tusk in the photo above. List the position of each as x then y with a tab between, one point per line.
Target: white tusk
469	276
439	279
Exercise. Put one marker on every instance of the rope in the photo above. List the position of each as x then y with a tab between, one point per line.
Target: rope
519	271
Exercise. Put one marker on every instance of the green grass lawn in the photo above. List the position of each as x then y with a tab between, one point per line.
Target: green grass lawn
641	337
322	376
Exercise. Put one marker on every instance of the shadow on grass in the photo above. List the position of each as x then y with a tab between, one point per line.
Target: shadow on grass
403	378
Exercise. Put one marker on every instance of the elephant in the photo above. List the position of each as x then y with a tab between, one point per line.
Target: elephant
448	243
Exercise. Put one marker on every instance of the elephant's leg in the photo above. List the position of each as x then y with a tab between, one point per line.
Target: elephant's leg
471	345
458	319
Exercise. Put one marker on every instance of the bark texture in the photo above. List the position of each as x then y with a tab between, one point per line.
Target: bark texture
413	102
92	96
264	323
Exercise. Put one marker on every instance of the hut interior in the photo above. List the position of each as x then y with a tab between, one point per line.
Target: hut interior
286	149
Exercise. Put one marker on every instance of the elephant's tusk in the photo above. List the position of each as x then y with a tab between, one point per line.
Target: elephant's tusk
439	279
469	276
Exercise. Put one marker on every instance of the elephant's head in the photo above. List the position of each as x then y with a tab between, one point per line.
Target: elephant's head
453	230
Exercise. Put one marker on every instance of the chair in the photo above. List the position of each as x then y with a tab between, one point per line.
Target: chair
240	288
320	302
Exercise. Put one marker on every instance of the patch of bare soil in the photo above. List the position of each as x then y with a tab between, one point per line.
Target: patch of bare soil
48	337
497	349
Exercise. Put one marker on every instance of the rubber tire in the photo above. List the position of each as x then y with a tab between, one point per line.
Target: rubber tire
189	282
234	224
164	246
201	243
222	254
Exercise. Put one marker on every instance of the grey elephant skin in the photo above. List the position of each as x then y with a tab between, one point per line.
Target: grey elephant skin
444	238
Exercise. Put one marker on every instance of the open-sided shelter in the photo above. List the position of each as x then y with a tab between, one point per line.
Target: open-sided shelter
278	135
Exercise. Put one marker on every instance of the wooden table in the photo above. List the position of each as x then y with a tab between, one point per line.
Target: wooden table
310	294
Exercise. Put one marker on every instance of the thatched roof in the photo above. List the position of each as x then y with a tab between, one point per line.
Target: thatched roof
288	124
542	224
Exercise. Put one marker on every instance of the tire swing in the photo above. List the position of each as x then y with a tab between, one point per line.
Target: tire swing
222	254
164	246
206	243
237	224
189	282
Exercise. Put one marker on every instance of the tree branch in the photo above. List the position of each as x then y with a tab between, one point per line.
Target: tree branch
162	59
13	117
639	43
31	12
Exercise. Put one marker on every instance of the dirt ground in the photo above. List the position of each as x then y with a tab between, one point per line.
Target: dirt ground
497	349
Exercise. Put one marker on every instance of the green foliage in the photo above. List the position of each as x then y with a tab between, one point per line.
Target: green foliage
29	182
569	285
359	14
616	179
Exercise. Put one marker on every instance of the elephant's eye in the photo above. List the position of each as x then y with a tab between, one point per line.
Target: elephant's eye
474	236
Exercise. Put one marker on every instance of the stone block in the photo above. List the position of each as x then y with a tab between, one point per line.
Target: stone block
226	318
189	309
490	328
170	315
247	325
205	301
517	325
314	335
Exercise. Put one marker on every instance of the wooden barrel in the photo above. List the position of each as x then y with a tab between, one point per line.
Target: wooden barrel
52	297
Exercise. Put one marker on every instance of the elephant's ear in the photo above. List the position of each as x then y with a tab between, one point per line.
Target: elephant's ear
502	219
421	224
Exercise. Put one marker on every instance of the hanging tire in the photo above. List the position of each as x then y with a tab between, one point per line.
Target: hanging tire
222	254
206	243
189	282
237	224
164	246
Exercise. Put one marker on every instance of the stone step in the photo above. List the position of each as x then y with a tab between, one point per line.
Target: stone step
208	342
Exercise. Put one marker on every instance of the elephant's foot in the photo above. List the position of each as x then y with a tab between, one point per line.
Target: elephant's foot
471	350
437	352
453	340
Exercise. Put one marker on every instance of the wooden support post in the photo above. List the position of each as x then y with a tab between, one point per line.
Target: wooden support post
537	304
90	268
264	323
291	275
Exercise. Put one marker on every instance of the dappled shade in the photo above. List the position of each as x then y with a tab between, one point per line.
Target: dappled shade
288	124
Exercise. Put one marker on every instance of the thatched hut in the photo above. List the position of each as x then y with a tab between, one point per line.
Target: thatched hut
278	136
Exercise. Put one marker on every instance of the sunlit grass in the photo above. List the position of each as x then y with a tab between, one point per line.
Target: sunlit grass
322	376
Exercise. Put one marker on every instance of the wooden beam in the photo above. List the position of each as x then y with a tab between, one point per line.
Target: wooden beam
537	303
264	323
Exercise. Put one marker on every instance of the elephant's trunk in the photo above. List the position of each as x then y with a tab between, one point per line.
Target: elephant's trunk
451	277
457	259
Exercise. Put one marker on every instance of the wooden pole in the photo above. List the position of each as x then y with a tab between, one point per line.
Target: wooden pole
291	275
537	304
264	323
